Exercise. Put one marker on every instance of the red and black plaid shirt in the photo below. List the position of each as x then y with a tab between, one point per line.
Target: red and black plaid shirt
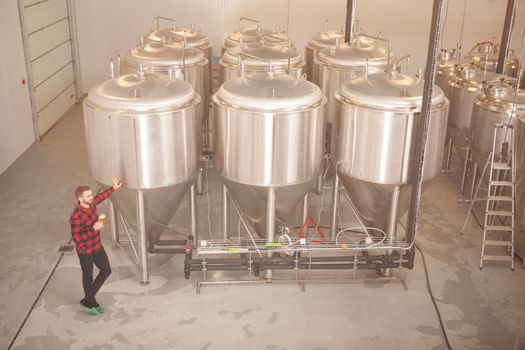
86	238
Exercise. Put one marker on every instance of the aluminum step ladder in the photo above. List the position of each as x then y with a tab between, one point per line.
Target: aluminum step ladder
501	199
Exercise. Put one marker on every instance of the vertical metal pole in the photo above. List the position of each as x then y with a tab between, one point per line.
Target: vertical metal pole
474	175
391	230
305	207
335	206
449	154
506	35
350	17
193	213
143	240
465	168
270	224
319	184
200	187
113	219
420	136
225	213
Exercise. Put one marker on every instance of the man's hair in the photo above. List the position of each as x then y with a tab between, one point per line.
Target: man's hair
81	189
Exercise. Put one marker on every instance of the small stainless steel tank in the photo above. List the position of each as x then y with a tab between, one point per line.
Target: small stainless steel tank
345	61
486	55
448	59
244	36
269	143
378	116
497	104
320	41
166	58
144	127
191	36
260	57
464	87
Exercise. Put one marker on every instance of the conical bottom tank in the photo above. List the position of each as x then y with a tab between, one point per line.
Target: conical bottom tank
160	204
254	201
378	118
269	140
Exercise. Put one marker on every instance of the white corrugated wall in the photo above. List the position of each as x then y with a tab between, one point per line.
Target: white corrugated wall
108	27
16	123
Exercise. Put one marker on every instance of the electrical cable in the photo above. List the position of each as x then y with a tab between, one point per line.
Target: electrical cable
432	298
477	220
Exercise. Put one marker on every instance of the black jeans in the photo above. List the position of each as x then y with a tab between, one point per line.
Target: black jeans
100	260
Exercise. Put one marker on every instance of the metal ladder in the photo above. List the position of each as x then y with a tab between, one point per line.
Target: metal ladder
498	196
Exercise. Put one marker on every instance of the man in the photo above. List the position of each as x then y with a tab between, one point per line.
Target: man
85	229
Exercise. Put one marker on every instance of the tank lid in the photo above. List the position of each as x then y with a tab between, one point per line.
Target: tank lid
499	88
267	92
277	54
448	59
471	76
500	95
354	54
385	91
175	35
326	39
487	52
136	92
254	35
164	54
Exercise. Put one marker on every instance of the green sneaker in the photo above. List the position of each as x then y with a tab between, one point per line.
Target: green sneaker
99	308
90	310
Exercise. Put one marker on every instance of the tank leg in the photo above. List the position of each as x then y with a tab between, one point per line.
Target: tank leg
113	219
474	175
449	153
193	212
335	206
319	184
391	232
143	241
464	173
200	185
225	213
270	224
305	207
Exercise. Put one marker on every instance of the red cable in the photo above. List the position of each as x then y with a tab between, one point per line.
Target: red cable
309	220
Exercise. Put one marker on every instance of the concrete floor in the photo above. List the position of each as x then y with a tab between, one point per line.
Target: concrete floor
481	309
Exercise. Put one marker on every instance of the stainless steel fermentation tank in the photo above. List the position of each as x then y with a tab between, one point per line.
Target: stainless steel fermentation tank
378	117
341	62
187	63
320	41
463	89
244	36
486	53
494	105
269	145
259	57
448	59
145	128
178	35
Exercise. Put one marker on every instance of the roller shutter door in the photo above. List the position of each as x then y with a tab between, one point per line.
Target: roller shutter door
49	58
